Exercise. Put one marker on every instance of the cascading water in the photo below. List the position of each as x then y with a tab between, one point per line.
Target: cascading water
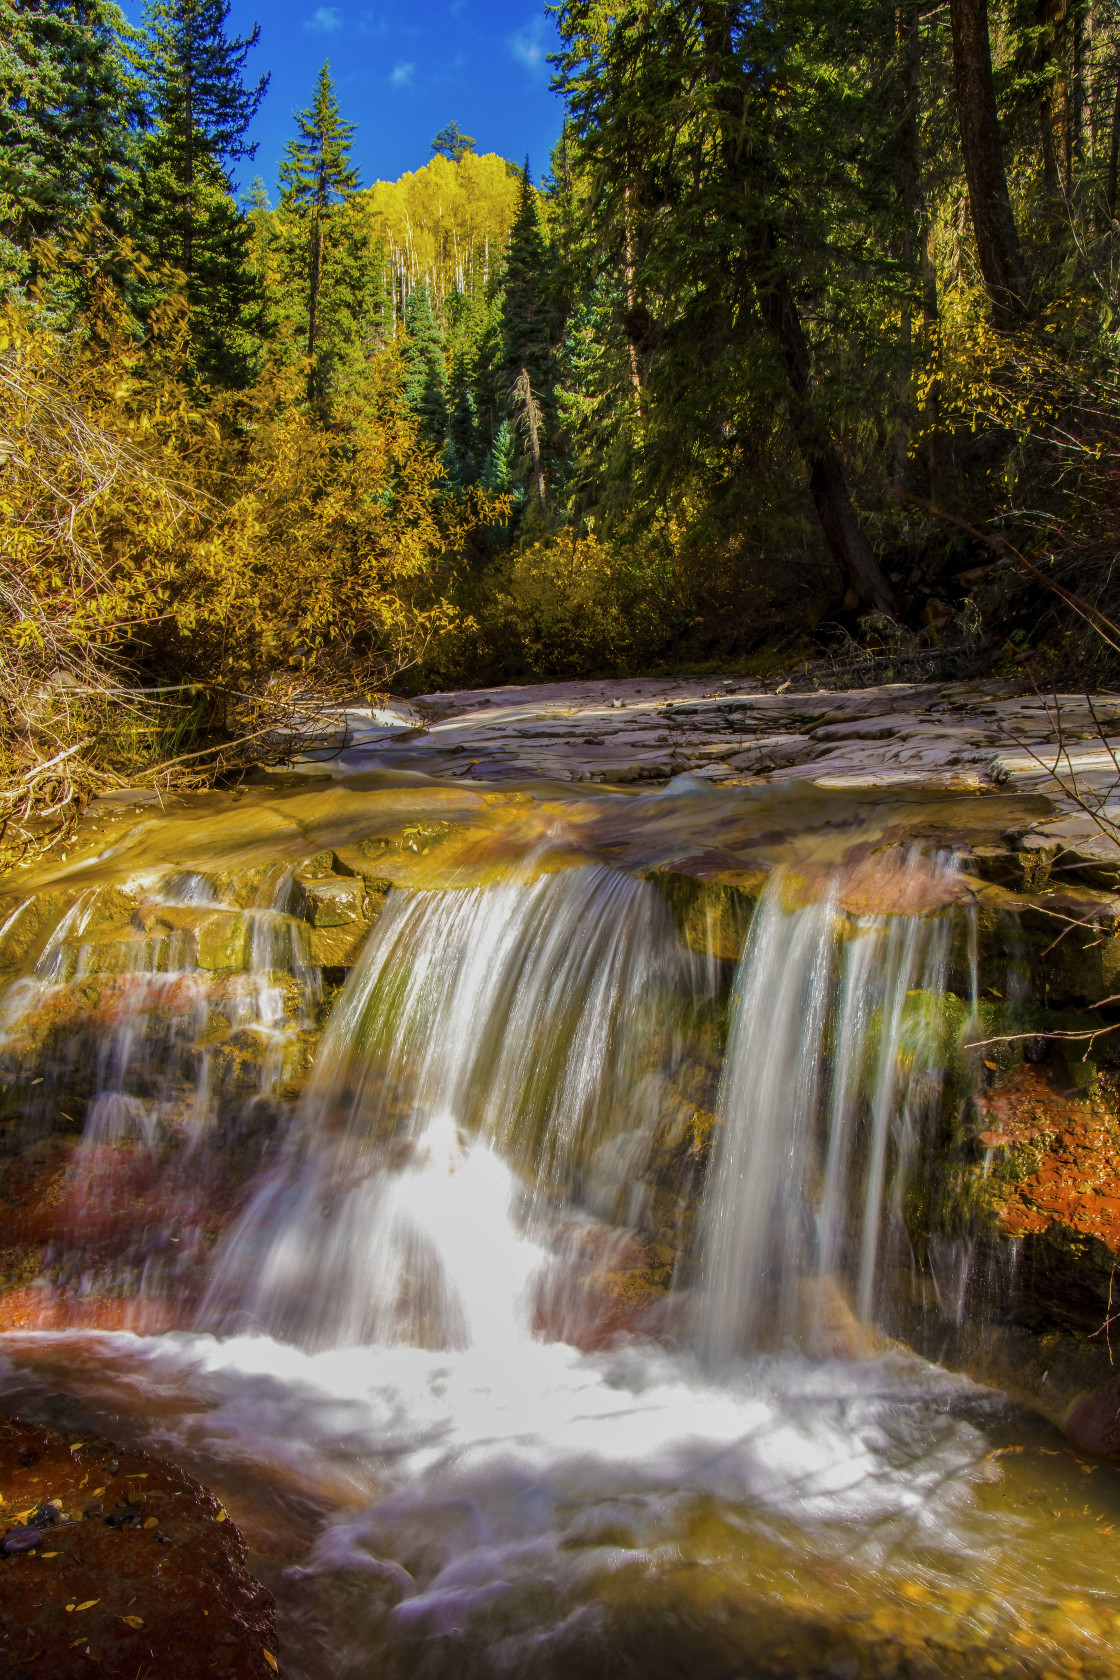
835	1059
511	1109
498	1052
129	1025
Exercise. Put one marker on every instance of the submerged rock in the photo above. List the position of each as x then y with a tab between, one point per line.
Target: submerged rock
139	1568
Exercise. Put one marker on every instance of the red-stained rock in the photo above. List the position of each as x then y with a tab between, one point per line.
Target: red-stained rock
1094	1421
140	1574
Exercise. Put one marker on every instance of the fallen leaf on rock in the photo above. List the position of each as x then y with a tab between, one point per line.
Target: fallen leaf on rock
88	1604
270	1660
133	1621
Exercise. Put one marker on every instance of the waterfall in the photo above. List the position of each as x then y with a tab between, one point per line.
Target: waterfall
495	1058
126	1020
834	1062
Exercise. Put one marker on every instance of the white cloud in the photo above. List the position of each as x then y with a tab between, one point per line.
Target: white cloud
402	75
324	21
528	47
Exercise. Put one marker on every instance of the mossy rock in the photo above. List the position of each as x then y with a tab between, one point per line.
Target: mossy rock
713	916
225	941
338	946
334	901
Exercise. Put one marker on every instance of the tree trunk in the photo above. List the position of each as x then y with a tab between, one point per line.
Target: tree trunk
909	186
828	482
1113	157
524	388
635	370
938	473
188	107
315	279
765	273
997	239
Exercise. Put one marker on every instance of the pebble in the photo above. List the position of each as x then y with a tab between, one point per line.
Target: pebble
19	1540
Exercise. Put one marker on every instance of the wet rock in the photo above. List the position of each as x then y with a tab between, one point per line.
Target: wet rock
224	941
1093	1422
119	1597
27	922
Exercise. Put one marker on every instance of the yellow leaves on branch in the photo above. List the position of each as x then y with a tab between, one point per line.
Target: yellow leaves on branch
240	538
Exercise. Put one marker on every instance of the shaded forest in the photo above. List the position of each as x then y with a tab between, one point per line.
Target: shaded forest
800	352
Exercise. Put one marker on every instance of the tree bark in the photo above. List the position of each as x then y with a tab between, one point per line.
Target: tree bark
635	367
828	482
909	68
524	388
188	90
315	280
997	238
938	472
1113	157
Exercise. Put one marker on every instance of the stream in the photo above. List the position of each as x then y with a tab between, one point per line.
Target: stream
537	1277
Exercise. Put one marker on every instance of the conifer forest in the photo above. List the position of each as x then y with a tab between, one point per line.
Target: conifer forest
801	349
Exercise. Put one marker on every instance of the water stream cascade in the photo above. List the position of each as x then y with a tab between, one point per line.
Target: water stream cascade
535	1257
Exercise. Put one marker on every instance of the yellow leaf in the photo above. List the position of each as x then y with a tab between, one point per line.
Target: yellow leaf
270	1660
88	1605
221	1516
133	1621
48	1554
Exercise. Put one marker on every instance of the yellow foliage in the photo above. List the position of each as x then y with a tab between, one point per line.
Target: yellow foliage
255	558
571	602
447	223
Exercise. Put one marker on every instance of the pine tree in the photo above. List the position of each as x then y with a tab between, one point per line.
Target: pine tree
200	107
526	326
316	175
192	70
425	389
500	471
452	143
68	117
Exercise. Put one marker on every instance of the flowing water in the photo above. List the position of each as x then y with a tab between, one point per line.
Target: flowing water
543	1328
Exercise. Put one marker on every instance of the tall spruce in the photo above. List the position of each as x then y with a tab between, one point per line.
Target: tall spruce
68	117
316	176
425	388
526	327
201	106
193	71
720	135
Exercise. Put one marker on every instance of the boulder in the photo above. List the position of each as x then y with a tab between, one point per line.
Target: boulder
116	1563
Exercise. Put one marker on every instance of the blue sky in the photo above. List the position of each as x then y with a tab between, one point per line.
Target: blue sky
404	68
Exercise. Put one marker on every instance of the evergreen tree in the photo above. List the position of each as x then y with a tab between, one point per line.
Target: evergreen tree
68	117
526	326
425	389
317	175
452	143
500	471
722	135
192	70
460	455
201	108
